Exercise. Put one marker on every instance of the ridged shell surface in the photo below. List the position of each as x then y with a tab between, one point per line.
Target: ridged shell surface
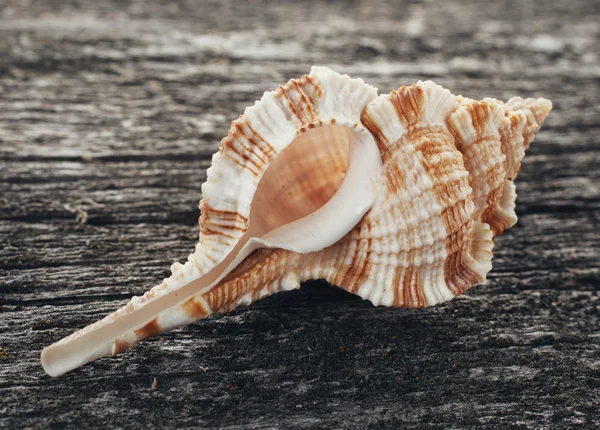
447	189
442	190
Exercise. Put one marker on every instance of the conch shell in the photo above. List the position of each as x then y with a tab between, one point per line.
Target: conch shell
395	198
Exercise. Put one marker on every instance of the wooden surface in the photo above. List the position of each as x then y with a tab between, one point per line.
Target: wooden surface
109	113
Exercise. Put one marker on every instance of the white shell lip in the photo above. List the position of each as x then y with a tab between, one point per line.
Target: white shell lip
343	211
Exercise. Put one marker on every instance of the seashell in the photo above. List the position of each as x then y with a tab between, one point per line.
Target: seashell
395	198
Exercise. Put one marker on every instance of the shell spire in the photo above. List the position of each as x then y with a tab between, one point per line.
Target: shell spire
394	198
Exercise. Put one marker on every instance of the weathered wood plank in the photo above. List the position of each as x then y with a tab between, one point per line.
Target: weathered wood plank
109	114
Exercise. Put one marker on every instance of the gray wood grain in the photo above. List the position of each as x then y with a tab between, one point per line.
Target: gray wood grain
109	114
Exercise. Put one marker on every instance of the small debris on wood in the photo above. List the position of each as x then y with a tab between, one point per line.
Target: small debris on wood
81	214
80	209
154	384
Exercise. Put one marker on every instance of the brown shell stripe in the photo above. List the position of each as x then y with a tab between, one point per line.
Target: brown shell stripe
119	346
148	330
405	284
456	212
151	328
534	116
196	308
458	276
393	173
258	270
485	147
432	143
254	144
243	154
380	139
312	125
269	281
512	142
300	96
348	250
214	221
484	150
490	141
359	267
494	218
408	103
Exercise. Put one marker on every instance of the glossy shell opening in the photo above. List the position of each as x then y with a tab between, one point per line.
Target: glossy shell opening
302	178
